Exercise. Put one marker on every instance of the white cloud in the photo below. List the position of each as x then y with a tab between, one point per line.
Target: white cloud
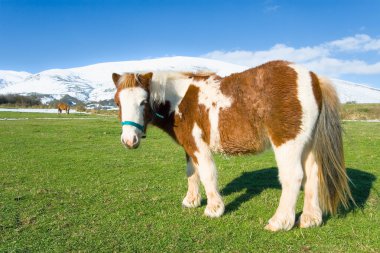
319	58
337	68
270	6
359	42
279	51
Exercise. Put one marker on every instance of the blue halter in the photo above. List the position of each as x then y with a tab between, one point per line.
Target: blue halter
131	123
137	125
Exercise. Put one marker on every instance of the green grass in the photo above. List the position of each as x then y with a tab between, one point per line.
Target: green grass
69	185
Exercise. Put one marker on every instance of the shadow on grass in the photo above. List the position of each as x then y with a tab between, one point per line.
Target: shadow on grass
253	183
361	185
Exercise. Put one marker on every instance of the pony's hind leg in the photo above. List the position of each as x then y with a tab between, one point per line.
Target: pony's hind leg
288	157
193	197
312	213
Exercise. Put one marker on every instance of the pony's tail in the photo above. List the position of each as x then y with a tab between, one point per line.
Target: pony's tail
333	187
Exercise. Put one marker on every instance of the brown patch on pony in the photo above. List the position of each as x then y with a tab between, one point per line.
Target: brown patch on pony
253	92
191	113
316	89
285	115
239	135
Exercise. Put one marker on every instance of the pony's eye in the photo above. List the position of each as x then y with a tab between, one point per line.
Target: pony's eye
144	102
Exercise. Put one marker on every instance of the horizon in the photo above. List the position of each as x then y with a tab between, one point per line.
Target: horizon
343	44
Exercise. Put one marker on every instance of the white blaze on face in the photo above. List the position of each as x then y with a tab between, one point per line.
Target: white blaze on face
132	109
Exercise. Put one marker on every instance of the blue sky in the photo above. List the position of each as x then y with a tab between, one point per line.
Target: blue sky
337	38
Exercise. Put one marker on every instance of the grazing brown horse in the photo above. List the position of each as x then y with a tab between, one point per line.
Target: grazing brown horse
278	104
63	106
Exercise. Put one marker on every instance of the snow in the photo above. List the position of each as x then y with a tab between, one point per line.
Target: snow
9	77
349	92
94	82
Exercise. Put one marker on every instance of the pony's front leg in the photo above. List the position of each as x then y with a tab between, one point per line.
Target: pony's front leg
193	197
204	164
206	168
208	175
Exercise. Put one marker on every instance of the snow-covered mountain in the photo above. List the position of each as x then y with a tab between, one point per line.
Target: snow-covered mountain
94	83
9	77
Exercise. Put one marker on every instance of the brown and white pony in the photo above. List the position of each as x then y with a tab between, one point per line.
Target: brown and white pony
63	106
277	104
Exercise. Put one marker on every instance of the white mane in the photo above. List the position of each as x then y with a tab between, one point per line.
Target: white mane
168	85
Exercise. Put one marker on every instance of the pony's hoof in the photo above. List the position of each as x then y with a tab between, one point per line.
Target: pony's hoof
310	220
269	227
280	223
191	202
214	210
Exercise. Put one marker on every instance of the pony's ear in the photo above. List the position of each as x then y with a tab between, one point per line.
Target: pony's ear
145	79
148	76
115	78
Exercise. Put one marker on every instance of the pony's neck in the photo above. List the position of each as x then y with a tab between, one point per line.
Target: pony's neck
169	87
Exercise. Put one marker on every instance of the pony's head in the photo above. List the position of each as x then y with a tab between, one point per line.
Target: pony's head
132	98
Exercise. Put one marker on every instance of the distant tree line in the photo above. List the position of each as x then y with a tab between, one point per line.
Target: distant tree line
20	100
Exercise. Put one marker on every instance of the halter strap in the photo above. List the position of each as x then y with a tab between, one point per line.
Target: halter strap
131	123
159	115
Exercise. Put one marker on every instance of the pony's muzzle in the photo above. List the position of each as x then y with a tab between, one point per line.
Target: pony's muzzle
131	142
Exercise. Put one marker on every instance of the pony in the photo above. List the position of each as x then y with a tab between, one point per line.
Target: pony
278	104
63	106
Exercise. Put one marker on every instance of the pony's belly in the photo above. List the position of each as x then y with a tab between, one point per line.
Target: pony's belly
240	136
239	148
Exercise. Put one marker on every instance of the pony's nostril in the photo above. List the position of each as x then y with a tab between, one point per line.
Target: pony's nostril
129	144
135	140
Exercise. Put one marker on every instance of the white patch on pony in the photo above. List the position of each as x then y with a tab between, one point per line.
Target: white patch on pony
172	86
289	154
288	158
307	99
132	110
214	100
193	196
208	174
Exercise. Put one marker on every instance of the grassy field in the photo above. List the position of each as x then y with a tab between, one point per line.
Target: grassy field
67	184
360	111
